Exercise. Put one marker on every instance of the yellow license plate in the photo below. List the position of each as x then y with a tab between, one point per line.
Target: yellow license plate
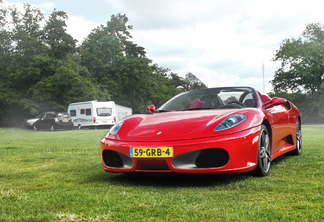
65	121
150	152
104	121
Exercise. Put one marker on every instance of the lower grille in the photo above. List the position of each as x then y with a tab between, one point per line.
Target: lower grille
211	158
157	164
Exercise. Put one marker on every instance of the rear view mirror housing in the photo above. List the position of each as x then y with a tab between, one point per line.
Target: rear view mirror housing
151	109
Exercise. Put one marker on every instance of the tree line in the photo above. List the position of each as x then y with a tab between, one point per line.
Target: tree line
42	68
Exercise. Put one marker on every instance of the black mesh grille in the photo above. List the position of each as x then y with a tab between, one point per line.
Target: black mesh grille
211	158
152	165
112	159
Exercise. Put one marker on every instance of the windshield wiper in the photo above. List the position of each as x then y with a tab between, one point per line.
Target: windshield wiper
200	108
194	108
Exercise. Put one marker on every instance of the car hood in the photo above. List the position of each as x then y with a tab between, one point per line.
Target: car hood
181	125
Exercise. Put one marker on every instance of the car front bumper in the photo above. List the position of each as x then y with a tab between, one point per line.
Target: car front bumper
231	153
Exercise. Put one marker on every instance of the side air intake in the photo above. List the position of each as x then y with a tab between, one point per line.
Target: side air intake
212	158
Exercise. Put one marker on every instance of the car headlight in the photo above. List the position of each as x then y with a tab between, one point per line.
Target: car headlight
114	130
230	122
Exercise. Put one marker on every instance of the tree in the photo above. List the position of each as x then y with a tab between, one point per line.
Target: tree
99	51
191	82
115	61
20	44
65	87
25	46
302	66
39	67
55	36
302	70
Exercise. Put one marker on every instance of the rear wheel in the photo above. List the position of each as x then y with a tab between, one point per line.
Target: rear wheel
52	128
264	153
299	141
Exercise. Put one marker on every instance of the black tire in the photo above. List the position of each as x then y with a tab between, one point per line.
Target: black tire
299	140
36	126
264	153
52	128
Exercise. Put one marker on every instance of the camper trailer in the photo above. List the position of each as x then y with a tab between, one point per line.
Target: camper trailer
95	114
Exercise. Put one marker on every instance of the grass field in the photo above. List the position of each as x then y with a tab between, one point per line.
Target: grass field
58	176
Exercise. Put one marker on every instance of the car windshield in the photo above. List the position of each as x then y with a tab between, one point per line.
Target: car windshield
40	115
213	98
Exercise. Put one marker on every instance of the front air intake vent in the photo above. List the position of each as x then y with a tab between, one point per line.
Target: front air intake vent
211	158
112	159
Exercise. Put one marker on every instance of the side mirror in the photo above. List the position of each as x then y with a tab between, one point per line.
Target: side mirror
274	102
151	108
265	98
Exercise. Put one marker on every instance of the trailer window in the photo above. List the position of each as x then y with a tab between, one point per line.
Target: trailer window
88	112
73	112
82	111
104	111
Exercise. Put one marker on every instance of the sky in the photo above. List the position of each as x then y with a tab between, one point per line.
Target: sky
222	42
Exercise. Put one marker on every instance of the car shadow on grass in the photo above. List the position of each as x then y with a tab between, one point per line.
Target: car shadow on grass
170	179
281	159
180	179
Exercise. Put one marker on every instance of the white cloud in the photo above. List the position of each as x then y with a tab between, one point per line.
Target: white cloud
170	14
222	42
48	7
79	27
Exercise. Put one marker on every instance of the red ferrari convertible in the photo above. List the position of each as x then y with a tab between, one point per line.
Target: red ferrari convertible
215	130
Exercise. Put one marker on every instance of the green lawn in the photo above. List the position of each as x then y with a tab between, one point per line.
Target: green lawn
58	176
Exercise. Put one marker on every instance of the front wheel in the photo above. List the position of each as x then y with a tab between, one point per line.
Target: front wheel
264	153
35	126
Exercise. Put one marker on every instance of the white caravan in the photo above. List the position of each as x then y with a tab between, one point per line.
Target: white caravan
94	113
